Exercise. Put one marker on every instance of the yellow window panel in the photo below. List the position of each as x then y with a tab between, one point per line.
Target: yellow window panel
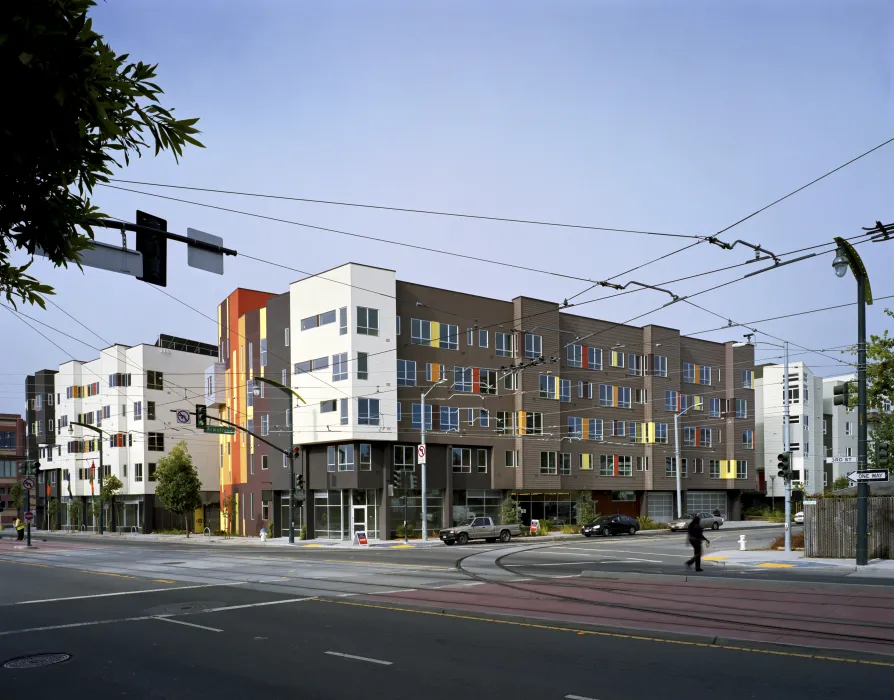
522	422
614	396
698	374
698	403
586	462
586	428
727	468
435	334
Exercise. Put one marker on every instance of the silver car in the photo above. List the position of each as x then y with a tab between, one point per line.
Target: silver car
708	520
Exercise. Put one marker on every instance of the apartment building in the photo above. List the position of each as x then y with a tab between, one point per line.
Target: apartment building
12	446
839	430
131	394
40	425
805	425
524	400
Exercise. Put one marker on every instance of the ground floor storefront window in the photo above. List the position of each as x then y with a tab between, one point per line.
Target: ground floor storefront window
434	504
555	507
338	514
476	503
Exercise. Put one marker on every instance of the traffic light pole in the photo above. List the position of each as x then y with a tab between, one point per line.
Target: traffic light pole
786	447
862	486
292	496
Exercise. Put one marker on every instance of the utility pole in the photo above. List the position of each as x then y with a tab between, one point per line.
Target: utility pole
677	460
423	468
786	447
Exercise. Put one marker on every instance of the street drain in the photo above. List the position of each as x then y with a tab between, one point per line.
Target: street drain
36	661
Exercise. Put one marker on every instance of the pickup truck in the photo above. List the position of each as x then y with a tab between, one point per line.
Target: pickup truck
479	529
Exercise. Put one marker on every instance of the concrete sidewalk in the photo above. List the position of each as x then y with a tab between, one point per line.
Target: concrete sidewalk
774	559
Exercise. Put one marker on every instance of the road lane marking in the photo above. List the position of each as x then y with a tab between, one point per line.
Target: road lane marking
650	561
163	580
163	618
564	563
613	635
250	605
399	590
715	558
90	623
776	565
359	658
577	697
382	563
104	573
110	595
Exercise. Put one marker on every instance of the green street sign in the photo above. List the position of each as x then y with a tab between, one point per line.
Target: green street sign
220	429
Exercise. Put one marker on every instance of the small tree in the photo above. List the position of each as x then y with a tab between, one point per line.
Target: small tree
74	514
840	483
110	487
178	485
53	511
94	510
586	509
228	508
510	512
18	494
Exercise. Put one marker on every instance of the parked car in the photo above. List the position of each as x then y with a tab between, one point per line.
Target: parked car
708	521
799	517
479	529
606	525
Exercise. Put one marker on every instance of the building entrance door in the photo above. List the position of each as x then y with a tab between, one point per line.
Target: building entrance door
358	522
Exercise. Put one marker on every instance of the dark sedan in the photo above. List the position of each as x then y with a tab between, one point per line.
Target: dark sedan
611	525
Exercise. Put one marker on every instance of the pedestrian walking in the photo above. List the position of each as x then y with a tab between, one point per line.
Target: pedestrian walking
20	529
696	536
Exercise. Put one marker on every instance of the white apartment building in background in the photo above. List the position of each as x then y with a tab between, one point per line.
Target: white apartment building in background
840	429
132	394
805	424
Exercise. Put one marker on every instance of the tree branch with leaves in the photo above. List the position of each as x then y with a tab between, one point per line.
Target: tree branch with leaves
78	110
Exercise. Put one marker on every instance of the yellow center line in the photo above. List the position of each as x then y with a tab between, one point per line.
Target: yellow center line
104	573
614	635
163	580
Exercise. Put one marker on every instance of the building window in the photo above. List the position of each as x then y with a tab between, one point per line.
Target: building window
265	424
704	374
824	426
367	321
449	418
487	381
533	345
323	319
155	442
635	364
344	412
641	396
328	406
575	427
594	358
670	466
470	337
263	352
417	416
606	395
585	462
404	457
606	465
670	400
265	462
705	437
714	469
624	393
399	412
503	344
339	367
574	356
594	428
406	373
286	337
420	332
462	460
137	411
659	365
689	373
748	439
747	379
642	464
151	475
714	408
512	459
343	320
847	427
462	379
534	423
742	469
547	386
343	456
688	436
482	338
362	365
617	359
397	325
565	390
138	471
741	408
365	457
449	337
661	433
848	451
482	461
548	463
625	465
154	380
368	411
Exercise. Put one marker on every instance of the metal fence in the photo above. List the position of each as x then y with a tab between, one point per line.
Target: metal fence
830	527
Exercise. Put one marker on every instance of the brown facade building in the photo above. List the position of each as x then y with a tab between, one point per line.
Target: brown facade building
12	449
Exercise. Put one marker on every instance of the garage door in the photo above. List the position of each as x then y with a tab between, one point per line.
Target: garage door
660	506
706	502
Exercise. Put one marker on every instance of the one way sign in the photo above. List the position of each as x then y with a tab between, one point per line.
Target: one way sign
877	475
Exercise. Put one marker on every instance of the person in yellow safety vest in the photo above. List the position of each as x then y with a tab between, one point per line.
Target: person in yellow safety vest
20	529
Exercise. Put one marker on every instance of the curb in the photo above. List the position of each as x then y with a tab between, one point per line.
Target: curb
733	583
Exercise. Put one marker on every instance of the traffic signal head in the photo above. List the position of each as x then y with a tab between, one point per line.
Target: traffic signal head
299	482
397	478
296	451
882	453
154	249
785	465
840	394
201	415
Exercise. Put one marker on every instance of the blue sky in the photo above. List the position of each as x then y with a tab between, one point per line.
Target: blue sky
680	117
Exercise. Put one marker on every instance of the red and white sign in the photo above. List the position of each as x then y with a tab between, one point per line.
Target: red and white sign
183	416
29	516
362	539
535	525
28	483
420	454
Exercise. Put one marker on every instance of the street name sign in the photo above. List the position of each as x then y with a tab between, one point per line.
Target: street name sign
841	460
220	429
876	475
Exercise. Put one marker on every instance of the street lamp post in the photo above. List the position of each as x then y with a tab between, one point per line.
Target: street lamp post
847	258
423	467
290	393
677	459
100	432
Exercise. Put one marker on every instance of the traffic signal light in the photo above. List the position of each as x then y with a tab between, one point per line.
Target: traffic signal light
840	394
785	465
397	478
882	454
201	415
296	451
299	482
154	248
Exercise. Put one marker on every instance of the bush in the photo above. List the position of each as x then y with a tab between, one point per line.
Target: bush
797	541
400	531
646	523
545	527
569	529
510	512
219	533
303	535
169	532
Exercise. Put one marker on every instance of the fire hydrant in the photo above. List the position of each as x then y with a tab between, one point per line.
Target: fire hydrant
263	534
742	543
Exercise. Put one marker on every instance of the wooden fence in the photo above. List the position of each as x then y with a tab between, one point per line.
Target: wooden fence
830	528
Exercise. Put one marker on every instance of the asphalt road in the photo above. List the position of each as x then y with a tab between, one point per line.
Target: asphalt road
140	638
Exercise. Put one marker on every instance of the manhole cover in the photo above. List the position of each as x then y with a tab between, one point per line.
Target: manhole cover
37	660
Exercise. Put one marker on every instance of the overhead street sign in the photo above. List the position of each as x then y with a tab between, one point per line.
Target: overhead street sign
28	483
877	475
220	429
203	258
183	416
